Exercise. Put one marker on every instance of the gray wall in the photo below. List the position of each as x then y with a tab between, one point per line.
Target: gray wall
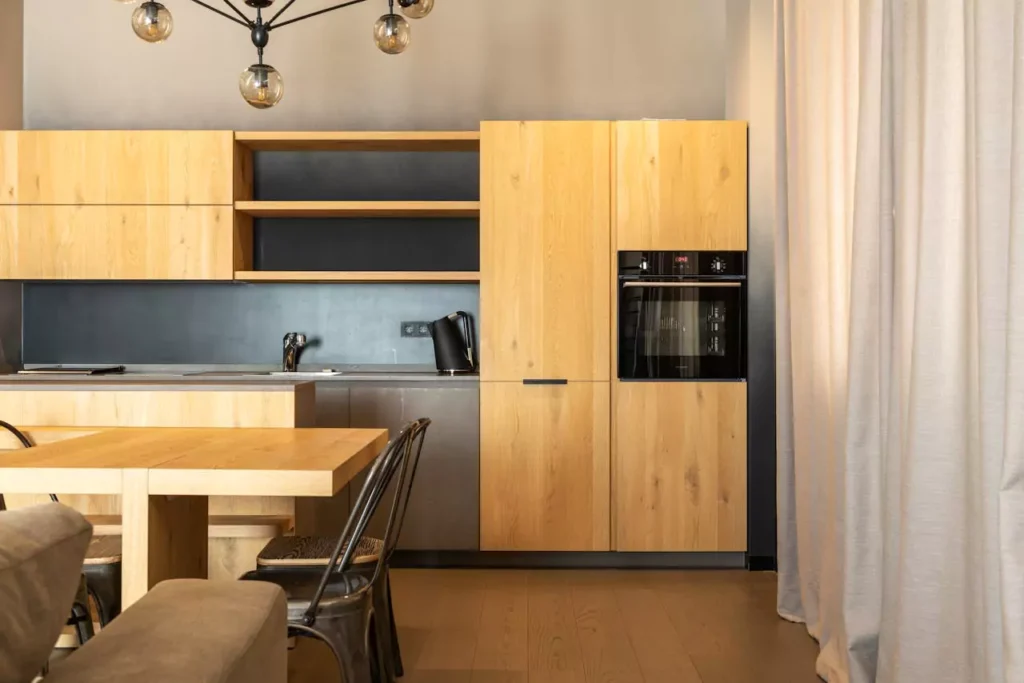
470	60
10	64
172	323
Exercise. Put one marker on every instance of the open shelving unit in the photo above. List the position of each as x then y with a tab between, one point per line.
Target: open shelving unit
277	209
355	212
373	141
353	276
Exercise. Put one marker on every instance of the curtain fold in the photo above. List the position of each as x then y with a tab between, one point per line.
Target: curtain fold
900	304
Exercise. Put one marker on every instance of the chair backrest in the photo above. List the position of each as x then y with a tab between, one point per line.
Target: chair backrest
20	436
381	473
417	433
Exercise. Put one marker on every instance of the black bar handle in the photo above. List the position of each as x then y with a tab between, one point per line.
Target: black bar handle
545	381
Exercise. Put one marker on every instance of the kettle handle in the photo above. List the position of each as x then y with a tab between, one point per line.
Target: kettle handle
468	334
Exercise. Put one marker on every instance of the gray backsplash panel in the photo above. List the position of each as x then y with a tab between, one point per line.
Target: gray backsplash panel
10	325
211	323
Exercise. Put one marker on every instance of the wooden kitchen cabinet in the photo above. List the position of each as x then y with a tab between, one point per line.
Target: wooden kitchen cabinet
544	466
681	185
545	249
185	168
680	466
119	243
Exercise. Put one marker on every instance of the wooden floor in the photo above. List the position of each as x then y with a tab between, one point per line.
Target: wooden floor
495	626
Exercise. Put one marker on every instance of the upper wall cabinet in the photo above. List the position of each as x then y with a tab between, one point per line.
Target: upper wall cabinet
117	167
545	248
681	185
118	243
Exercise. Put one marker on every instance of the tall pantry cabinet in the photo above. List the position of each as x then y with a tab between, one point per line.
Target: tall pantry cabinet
545	259
679	449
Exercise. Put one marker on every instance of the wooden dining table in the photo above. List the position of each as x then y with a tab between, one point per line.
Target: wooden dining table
165	477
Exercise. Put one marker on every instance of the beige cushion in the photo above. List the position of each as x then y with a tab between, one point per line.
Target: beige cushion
190	631
314	551
41	551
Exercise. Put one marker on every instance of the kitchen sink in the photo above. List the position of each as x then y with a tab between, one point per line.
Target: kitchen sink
332	373
227	373
246	373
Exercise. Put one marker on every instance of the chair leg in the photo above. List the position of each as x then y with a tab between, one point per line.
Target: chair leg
349	638
104	583
382	631
80	617
396	651
82	621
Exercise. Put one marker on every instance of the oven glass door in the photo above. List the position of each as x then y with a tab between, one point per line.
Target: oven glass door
681	329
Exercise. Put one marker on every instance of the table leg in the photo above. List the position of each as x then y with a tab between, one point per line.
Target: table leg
162	537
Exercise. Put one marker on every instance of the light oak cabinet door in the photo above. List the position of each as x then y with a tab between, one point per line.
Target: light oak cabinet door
680	461
545	249
117	167
681	185
544	466
117	243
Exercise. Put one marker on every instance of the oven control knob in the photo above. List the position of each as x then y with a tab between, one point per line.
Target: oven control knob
718	265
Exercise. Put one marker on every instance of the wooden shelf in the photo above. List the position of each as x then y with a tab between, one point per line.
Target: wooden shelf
368	141
352	276
359	209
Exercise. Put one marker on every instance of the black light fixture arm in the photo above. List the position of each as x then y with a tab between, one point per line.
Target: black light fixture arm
238	12
311	14
280	12
246	23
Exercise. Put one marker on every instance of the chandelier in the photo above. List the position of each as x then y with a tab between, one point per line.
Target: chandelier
261	84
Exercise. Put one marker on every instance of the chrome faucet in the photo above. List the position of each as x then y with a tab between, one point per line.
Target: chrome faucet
293	345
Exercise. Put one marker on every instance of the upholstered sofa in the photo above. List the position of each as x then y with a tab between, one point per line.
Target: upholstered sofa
184	630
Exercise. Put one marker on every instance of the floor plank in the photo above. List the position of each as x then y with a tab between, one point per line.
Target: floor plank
608	655
554	648
501	651
653	637
457	607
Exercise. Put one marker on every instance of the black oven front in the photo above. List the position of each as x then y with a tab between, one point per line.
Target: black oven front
682	315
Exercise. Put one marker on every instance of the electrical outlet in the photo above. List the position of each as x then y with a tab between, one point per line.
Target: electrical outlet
415	328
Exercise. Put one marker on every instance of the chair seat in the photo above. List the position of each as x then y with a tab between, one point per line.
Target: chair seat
345	591
313	551
103	550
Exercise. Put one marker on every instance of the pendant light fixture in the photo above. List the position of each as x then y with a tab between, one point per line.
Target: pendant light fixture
261	85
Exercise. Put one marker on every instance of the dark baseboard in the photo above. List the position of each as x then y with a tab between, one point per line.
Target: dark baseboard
761	563
466	559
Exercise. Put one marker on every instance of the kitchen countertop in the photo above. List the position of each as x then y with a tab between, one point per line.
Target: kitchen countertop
244	375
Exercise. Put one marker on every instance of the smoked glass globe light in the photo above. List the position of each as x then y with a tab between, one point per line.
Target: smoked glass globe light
391	33
152	22
261	85
416	11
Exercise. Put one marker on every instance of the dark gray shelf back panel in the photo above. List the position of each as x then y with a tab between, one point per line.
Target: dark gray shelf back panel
211	323
367	176
367	244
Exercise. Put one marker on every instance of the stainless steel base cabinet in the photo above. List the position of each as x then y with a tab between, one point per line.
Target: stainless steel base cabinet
445	504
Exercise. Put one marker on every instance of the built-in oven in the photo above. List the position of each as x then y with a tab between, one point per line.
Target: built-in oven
682	315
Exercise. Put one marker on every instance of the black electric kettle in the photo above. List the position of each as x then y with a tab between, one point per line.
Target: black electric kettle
453	349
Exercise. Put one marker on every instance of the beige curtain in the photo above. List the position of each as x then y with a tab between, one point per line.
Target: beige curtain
900	274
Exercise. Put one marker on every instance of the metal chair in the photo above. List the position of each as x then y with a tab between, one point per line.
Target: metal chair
331	597
101	568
